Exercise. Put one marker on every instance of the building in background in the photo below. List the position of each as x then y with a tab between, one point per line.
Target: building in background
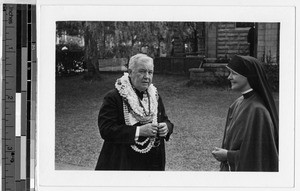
218	41
226	39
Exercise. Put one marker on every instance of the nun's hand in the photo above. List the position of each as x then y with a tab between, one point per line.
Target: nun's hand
220	154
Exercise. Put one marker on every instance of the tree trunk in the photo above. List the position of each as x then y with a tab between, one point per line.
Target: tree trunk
91	57
195	46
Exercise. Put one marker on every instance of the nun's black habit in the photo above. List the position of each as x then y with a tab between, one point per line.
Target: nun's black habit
251	131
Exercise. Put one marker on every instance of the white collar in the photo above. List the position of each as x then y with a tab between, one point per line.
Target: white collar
249	90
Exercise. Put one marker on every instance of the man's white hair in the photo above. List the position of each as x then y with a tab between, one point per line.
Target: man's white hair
138	58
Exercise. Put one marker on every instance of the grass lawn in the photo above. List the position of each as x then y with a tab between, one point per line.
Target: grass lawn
198	113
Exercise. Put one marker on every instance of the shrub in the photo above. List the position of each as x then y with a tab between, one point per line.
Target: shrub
69	61
272	69
272	73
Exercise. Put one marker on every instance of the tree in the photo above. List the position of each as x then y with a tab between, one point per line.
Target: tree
123	39
71	28
91	50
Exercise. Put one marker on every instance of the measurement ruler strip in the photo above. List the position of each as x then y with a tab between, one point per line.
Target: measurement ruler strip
19	95
33	81
31	96
23	149
9	91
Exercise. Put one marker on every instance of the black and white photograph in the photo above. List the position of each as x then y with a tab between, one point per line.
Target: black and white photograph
194	70
166	96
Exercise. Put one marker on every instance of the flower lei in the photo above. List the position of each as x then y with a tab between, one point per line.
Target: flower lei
134	112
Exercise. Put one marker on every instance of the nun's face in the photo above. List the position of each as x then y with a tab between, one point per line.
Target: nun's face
238	82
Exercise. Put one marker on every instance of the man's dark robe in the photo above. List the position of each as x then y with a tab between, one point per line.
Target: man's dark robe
249	136
116	153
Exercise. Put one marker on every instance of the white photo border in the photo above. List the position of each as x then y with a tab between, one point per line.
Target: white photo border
50	179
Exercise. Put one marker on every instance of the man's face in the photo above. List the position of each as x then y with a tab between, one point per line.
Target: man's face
141	75
238	82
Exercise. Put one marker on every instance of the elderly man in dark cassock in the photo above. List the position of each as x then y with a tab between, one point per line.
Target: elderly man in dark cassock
133	122
250	141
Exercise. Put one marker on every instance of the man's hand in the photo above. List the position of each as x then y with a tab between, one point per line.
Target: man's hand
162	129
220	154
148	130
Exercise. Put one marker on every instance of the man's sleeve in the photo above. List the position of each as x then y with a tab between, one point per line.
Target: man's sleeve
111	121
162	117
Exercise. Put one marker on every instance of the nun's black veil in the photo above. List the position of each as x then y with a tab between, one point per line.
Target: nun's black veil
253	69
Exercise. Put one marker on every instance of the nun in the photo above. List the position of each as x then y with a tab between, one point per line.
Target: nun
250	141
